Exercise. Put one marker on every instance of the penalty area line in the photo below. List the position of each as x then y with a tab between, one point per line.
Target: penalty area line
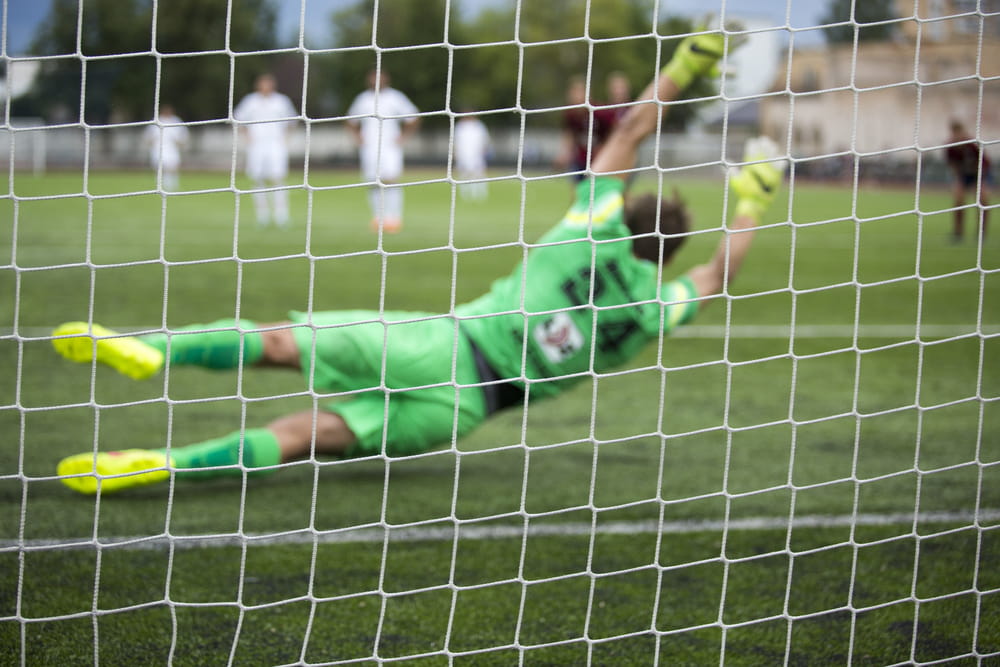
474	531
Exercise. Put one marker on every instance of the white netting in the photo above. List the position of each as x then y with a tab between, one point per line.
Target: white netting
808	473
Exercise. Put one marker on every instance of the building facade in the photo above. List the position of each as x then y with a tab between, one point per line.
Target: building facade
893	99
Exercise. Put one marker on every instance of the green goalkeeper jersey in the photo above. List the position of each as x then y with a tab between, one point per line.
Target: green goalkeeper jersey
582	302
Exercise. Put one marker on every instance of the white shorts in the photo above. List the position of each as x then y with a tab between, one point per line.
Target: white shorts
387	167
267	161
474	166
170	159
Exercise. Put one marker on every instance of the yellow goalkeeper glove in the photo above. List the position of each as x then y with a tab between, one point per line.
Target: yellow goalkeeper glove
755	185
697	55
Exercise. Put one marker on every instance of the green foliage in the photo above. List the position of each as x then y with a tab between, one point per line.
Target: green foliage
105	27
413	34
631	47
499	60
125	87
198	86
445	61
862	12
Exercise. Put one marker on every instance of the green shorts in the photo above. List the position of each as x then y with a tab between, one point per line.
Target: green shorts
410	403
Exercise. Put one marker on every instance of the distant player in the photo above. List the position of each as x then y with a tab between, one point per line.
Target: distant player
472	144
619	93
383	119
165	138
586	126
586	299
968	160
266	118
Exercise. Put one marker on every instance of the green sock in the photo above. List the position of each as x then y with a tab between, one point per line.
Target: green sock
212	349
260	449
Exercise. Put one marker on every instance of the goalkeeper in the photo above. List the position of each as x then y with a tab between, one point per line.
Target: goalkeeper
586	299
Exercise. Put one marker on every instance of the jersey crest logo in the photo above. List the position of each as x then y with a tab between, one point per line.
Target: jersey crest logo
558	337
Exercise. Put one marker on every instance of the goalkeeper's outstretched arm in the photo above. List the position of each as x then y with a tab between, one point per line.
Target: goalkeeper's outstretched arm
754	186
712	278
696	56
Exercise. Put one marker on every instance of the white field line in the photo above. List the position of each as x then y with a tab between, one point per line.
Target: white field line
834	331
782	331
474	531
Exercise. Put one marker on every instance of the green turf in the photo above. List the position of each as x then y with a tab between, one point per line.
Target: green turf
755	428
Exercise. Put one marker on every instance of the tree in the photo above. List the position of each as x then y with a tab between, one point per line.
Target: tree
413	34
622	39
556	47
106	27
862	12
197	85
123	87
487	68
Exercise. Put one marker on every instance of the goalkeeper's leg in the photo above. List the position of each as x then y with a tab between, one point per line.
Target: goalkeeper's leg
258	450
253	451
223	344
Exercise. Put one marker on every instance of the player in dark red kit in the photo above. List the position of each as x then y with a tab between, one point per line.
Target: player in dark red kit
585	129
968	160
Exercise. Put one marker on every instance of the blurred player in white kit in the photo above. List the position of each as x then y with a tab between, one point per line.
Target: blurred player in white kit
384	119
265	119
472	143
164	139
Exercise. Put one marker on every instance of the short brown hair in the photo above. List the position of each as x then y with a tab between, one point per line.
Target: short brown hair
659	226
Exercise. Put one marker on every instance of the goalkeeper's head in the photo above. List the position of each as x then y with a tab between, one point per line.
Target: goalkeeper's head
659	226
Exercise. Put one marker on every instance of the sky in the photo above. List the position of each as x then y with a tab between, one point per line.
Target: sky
24	16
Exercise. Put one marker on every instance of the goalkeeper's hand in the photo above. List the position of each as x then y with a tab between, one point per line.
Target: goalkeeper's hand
696	56
755	185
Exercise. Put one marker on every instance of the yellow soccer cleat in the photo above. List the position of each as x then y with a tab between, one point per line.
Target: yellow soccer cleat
113	471
126	354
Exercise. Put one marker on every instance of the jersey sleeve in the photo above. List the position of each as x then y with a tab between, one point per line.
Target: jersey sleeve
404	107
355	108
680	303
242	109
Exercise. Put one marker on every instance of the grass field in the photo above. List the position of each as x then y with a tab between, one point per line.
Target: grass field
819	490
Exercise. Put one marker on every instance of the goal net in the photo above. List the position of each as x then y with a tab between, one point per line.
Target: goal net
806	471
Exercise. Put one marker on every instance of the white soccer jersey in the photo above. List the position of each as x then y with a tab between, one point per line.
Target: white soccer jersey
472	140
165	140
255	110
266	119
382	114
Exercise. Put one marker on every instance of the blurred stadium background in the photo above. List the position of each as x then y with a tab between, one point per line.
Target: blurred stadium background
865	101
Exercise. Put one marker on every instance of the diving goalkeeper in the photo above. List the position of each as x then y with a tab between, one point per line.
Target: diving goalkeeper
587	298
